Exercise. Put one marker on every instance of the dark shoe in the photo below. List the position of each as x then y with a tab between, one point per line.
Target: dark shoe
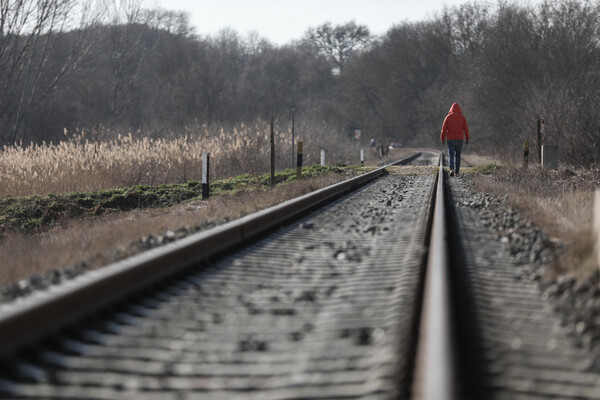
451	173
456	173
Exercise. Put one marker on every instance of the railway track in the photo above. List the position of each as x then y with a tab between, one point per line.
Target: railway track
318	298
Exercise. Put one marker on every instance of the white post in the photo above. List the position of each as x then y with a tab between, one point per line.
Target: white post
596	223
550	156
362	156
205	166
322	158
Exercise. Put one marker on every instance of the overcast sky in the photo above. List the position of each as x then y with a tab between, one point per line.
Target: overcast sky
282	21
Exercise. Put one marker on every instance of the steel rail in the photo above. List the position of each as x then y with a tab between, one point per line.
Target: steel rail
434	378
27	320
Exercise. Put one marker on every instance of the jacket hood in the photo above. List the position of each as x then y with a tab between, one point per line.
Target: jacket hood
455	109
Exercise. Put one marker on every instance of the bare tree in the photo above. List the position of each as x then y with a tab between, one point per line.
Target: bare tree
467	26
29	33
131	43
339	43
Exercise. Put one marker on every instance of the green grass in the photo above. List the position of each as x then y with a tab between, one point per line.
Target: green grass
34	213
246	182
28	214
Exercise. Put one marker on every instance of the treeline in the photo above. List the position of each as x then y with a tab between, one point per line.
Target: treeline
125	69
504	63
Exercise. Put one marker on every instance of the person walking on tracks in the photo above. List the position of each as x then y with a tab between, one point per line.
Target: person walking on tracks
454	130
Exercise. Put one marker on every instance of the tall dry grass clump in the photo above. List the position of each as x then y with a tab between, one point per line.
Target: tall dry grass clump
85	163
560	201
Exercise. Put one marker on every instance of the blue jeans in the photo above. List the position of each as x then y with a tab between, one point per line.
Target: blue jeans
454	149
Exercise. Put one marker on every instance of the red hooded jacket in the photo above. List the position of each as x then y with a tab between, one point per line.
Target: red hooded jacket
455	125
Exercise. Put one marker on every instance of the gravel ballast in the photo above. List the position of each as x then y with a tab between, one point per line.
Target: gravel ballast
577	300
525	249
324	307
531	340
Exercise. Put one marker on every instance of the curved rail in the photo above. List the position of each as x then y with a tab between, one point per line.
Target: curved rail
434	379
26	320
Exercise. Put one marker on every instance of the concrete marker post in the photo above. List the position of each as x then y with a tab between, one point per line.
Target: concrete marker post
205	174
322	158
362	156
550	156
596	224
299	161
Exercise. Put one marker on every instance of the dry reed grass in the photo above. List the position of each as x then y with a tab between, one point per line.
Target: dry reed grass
84	163
105	239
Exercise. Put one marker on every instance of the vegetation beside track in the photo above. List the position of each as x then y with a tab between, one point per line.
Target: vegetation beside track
33	214
87	242
560	202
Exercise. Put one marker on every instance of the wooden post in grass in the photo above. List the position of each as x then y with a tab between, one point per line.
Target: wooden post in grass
526	154
272	182
205	174
596	226
292	112
299	161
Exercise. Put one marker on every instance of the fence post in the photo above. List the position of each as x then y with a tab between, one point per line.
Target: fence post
299	161
362	156
322	158
292	111
272	181
596	225
526	154
205	174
